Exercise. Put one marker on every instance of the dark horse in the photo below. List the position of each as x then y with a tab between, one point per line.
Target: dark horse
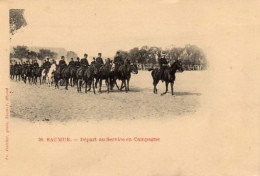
80	77
26	73
124	74
16	72
168	76
36	73
62	73
104	74
88	76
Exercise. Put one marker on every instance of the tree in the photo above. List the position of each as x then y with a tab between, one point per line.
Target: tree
133	54
43	53
20	52
123	54
71	54
32	55
16	20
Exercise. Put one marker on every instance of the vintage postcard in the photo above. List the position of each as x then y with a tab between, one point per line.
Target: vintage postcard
120	87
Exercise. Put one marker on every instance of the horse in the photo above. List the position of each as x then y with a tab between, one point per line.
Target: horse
65	74
50	74
11	71
44	73
114	73
57	75
73	78
125	75
104	74
17	73
168	76
36	72
80	75
89	76
27	73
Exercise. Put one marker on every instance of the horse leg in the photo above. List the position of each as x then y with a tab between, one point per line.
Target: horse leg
96	83
154	86
77	85
121	87
128	80
86	86
166	85
117	85
89	84
172	88
100	85
108	84
66	83
93	85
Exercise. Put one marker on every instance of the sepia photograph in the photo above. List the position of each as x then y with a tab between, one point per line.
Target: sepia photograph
129	87
91	66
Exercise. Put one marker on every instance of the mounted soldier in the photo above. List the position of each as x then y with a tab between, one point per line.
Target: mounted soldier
118	61
35	64
62	63
163	63
84	61
48	63
15	65
99	61
53	62
93	61
71	63
108	61
77	63
44	64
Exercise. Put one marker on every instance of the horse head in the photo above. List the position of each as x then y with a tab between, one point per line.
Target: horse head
134	68
177	65
94	69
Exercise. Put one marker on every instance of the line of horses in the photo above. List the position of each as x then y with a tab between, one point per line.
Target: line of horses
89	77
85	76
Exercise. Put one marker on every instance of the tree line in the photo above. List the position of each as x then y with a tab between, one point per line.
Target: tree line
189	54
21	52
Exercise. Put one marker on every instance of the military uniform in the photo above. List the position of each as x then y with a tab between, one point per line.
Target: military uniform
118	60
36	65
48	64
77	63
84	62
99	61
62	63
163	65
71	63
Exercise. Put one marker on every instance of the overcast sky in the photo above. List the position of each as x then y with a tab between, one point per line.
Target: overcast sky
106	26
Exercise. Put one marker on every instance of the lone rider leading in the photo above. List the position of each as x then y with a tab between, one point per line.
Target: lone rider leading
163	63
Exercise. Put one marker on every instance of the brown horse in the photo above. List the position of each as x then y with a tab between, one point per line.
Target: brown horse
65	74
125	74
36	73
80	77
168	76
104	74
89	76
